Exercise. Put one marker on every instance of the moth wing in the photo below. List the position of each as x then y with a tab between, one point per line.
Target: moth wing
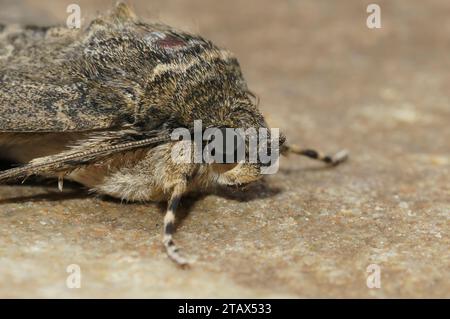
42	90
95	148
34	106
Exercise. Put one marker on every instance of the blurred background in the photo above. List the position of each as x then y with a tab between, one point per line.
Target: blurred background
329	82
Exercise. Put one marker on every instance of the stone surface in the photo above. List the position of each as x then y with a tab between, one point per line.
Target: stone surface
329	82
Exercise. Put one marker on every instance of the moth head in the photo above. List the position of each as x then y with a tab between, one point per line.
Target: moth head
241	156
250	170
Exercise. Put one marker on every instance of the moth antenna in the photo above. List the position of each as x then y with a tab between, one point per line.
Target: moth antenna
169	228
335	159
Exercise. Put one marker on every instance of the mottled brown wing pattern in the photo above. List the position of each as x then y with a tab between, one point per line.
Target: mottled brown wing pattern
30	106
96	147
48	85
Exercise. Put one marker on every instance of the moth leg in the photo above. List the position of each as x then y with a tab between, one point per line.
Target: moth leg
335	159
60	182
169	228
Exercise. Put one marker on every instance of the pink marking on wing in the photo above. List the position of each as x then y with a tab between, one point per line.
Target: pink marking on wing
170	42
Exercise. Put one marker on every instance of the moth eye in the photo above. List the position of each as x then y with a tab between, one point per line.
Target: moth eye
228	148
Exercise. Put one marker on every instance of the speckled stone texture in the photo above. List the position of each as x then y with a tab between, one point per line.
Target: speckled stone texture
329	82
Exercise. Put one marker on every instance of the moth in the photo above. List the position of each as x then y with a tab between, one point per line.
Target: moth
98	105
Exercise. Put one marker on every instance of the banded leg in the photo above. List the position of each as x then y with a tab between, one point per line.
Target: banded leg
335	159
169	229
